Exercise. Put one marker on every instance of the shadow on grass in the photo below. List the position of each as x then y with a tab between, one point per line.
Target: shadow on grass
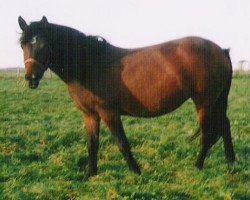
173	195
141	195
116	170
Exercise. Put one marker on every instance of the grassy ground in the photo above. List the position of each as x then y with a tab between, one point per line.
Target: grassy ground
42	139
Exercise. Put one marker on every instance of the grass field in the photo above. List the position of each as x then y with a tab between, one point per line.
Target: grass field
42	139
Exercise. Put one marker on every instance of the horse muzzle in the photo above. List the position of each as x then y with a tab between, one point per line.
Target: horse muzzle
33	81
34	72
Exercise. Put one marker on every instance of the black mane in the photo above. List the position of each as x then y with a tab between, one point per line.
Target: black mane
37	28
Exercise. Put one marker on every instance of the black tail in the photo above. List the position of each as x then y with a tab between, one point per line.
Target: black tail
223	123
227	53
224	94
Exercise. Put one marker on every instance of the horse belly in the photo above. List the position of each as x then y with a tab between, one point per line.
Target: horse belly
154	95
154	106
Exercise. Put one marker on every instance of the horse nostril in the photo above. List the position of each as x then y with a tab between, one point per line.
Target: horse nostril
31	77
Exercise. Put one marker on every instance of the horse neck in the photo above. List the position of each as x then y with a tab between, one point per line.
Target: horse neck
72	61
66	57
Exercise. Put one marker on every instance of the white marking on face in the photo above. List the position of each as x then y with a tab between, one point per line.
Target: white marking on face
34	40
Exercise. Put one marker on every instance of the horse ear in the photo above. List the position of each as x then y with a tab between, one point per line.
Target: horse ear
44	21
22	23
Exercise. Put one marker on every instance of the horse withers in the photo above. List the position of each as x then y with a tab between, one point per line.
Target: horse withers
106	82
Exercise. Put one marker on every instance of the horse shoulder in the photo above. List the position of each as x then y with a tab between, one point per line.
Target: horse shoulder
83	98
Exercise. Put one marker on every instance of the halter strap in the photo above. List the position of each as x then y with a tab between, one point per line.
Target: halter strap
32	60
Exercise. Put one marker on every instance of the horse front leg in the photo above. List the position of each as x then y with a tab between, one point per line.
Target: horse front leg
113	122
92	124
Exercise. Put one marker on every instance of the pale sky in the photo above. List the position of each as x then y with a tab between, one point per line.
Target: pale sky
132	23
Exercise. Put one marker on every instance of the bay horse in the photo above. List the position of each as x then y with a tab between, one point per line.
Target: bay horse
106	82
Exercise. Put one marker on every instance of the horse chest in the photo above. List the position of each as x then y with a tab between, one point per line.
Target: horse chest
83	99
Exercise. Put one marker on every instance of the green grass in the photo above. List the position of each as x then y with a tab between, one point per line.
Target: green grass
42	139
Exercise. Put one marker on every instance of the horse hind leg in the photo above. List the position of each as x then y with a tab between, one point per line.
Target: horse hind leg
208	136
224	128
214	124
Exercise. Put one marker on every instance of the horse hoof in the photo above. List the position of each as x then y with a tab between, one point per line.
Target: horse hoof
91	174
136	170
231	156
199	165
230	159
